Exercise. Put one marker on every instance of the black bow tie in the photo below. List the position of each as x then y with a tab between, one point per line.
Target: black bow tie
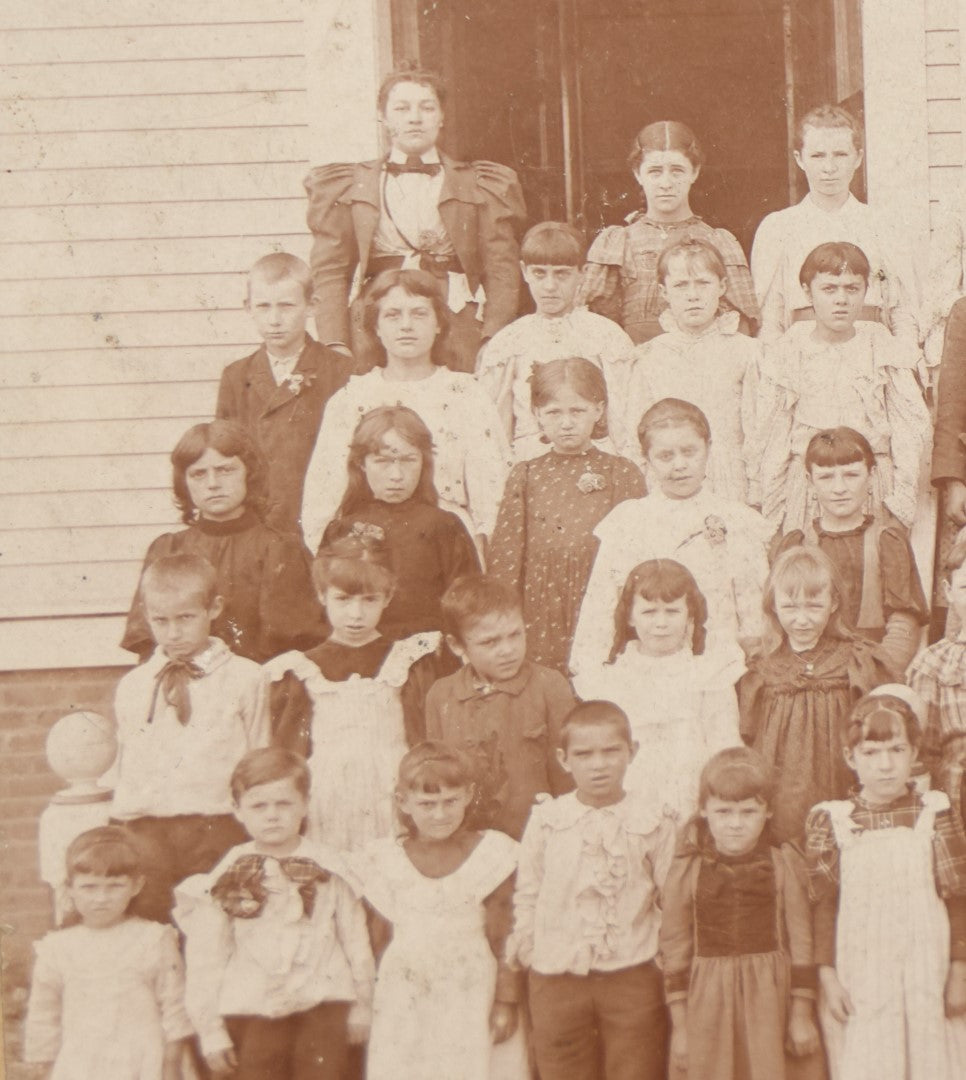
413	164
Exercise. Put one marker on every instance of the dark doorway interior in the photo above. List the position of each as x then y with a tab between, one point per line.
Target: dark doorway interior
558	88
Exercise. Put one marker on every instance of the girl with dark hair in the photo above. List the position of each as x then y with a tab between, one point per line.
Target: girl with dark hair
406	313
351	704
680	698
391	494
262	575
620	280
544	545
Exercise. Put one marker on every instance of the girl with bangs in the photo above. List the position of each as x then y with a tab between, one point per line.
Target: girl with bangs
391	496
884	599
351	705
795	697
736	936
444	1005
689	710
887	878
219	482
409	323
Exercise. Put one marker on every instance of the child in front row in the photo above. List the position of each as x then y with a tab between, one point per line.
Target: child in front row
587	912
278	394
840	370
185	718
543	545
736	935
445	1005
107	992
703	359
352	704
552	259
794	698
883	597
501	708
279	967
723	542
390	492
887	875
938	676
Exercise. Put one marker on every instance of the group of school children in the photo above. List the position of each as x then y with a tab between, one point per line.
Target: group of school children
673	789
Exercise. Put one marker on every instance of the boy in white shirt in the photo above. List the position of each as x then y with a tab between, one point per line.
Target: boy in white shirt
279	967
185	718
587	914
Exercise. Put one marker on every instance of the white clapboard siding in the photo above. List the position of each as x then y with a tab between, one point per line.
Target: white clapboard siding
171	292
15	15
90	367
156	220
257	108
216	75
114	472
105	44
68	588
100	258
82	509
946	105
152	152
150	184
40	547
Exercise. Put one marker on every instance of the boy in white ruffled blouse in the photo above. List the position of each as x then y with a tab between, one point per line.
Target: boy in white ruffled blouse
587	915
279	968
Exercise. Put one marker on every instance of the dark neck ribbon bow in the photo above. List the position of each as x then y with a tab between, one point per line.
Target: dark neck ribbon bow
414	164
172	681
241	891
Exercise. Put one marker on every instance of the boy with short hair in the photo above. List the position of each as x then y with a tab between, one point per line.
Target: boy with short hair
278	394
185	717
552	258
587	911
279	968
501	708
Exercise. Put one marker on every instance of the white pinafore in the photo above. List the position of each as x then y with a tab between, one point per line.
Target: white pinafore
892	955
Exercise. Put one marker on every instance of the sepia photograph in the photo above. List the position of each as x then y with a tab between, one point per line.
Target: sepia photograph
483	540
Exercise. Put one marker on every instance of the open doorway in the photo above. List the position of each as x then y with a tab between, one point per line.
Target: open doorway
558	88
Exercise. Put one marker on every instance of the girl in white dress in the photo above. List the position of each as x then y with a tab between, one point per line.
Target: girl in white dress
679	697
721	541
702	358
346	704
405	311
107	993
443	1006
887	876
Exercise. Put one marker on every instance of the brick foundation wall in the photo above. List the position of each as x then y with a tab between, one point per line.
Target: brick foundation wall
30	703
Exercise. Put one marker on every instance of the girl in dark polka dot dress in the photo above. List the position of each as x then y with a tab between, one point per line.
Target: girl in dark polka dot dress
544	542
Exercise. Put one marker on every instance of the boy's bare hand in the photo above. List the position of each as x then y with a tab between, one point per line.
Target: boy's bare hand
679	1048
222	1061
802	1033
839	1003
503	1021
357	1028
955	994
956	501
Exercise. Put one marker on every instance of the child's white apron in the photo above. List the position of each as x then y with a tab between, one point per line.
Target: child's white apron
892	955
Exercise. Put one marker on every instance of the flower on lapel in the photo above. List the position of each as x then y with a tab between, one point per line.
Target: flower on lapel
715	530
298	381
362	530
590	481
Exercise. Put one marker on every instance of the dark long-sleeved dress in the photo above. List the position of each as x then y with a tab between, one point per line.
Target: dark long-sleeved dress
263	578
